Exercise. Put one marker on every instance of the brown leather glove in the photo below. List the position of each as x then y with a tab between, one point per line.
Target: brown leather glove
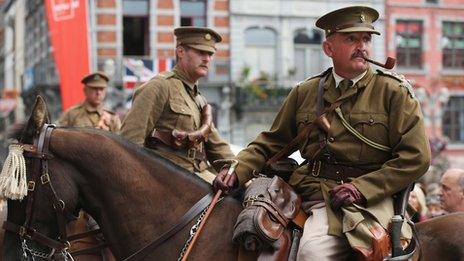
219	184
344	195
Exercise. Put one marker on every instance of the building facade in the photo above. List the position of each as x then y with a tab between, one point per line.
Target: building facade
427	37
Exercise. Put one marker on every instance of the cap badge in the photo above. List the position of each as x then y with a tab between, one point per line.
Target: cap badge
362	18
208	37
96	77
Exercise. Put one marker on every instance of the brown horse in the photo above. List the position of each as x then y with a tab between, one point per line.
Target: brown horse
441	238
135	196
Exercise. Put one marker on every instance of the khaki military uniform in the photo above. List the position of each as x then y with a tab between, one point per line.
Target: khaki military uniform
165	103
85	115
381	109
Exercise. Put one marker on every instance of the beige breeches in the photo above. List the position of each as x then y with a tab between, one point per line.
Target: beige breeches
316	244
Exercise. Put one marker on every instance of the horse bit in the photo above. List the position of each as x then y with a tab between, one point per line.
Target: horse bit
39	153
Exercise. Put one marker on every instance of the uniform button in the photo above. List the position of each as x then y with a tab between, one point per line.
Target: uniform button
331	139
182	110
371	121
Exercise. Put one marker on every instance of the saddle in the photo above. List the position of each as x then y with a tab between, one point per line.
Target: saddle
269	206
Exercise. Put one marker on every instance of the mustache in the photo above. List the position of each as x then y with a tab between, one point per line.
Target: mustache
358	54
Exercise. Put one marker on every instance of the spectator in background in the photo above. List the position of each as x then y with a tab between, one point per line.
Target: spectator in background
433	200
452	190
417	201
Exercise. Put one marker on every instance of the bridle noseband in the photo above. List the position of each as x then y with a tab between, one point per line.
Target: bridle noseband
39	153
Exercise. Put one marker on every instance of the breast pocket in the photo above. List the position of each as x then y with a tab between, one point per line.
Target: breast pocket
182	115
373	126
303	119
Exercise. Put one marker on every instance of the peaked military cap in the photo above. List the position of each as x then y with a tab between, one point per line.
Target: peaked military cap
200	38
348	20
96	80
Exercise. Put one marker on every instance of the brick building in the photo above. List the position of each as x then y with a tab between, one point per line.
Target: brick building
427	38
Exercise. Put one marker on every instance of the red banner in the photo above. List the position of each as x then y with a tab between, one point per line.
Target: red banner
67	23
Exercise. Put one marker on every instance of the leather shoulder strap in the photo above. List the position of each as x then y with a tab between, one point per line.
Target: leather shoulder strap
290	147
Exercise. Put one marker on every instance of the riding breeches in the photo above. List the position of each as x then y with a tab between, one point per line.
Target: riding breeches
316	244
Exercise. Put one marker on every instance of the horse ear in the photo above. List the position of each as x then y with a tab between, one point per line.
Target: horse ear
38	118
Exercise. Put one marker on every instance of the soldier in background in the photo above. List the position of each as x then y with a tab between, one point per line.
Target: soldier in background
91	112
169	114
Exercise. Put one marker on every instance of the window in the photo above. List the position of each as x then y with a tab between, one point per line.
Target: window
308	54
453	119
453	45
193	13
431	1
409	43
260	52
135	27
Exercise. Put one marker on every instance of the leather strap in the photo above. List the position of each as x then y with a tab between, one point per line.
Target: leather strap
269	206
33	234
337	172
319	122
181	223
191	153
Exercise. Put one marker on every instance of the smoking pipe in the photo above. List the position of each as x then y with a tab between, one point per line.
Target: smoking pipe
389	64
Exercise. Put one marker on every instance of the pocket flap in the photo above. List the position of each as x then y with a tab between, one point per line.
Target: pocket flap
180	108
351	219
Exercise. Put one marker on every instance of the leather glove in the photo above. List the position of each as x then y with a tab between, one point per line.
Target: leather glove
219	184
344	195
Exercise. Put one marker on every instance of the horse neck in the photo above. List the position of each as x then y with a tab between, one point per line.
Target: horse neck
118	181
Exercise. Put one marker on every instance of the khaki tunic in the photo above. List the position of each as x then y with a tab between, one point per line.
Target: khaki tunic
165	103
85	115
381	109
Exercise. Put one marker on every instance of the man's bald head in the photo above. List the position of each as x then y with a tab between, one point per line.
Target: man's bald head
452	194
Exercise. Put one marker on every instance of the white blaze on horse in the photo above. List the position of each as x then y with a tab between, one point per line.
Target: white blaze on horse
135	196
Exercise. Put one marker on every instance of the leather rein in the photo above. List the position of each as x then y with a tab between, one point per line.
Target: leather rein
39	153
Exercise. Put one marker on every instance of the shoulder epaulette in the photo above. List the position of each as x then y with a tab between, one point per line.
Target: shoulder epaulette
399	77
166	75
316	76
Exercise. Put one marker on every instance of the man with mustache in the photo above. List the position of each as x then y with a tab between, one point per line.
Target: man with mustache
170	116
371	146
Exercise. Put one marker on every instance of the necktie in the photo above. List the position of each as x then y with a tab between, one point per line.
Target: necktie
344	85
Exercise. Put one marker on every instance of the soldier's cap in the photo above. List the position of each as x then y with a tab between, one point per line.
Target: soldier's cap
348	20
96	80
200	38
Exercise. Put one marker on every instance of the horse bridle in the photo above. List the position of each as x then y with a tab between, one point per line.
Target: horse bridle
39	153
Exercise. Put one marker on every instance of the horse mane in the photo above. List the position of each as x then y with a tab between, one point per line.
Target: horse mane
149	156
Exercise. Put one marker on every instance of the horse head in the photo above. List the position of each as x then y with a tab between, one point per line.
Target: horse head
43	202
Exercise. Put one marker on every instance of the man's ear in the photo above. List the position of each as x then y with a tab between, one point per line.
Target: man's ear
327	47
180	51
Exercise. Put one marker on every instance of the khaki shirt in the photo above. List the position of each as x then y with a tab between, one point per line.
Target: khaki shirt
85	115
164	103
380	108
